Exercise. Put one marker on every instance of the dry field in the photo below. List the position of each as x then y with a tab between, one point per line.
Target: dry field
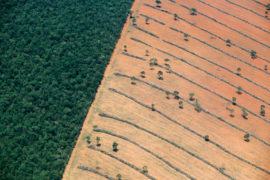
160	60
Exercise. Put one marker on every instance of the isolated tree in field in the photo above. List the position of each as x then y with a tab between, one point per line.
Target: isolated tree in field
268	6
234	100
142	74
193	11
231	112
266	14
134	21
160	75
145	169
191	96
244	114
153	61
253	54
206	138
175	17
168	67
198	107
238	71
181	104
158	3
133	80
246	137
146	53
130	13
228	43
98	141
115	146
88	138
186	36
239	90
153	107
118	177
167	94
125	48
262	111
176	95
265	67
147	20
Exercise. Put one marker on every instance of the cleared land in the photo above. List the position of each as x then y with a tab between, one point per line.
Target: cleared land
137	104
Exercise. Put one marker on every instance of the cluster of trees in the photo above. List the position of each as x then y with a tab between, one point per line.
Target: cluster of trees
53	55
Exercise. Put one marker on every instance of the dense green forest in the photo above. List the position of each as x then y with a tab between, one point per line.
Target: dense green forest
52	58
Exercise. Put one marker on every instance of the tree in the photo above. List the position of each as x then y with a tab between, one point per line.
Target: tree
231	112
145	169
193	11
142	74
125	48
167	94
88	138
234	100
153	107
175	17
130	13
166	59
265	67
228	43
118	177
147	20
191	96
158	3
181	104
244	114
98	141
186	36
253	54
176	95
246	137
268	6
115	146
238	71
206	138
153	62
262	111
198	107
133	80
146	53
160	75
134	21
168	67
239	90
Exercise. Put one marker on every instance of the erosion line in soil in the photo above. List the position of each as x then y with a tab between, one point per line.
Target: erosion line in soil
204	110
147	32
246	9
94	171
140	41
122	161
136	57
144	149
162	23
168	141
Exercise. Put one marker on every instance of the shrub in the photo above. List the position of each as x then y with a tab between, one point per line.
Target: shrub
166	59
191	96
244	114
115	146
176	95
206	138
98	141
246	137
158	3
265	67
133	80
262	112
125	48
142	74
167	94
253	54
239	90
145	169
181	105
130	13
193	11
153	107
186	36
238	71
160	75
228	43
88	139
198	107
234	100
118	177
147	20
175	17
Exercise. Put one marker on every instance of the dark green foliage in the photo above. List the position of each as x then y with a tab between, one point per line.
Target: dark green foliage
118	176
239	90
206	138
244	114
98	141
115	145
193	11
253	54
191	96
52	58
234	100
228	43
246	137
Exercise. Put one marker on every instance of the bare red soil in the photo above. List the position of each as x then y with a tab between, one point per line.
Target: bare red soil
169	140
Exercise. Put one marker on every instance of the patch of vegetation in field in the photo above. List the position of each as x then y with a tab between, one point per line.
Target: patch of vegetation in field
52	58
